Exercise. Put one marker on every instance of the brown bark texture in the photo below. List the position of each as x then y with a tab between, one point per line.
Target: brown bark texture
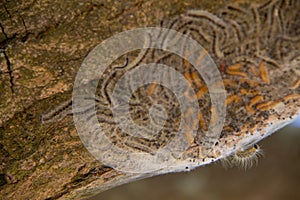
43	43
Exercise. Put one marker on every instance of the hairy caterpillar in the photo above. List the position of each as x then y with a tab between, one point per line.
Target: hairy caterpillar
243	159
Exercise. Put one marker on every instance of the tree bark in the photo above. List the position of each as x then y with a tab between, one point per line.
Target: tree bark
43	44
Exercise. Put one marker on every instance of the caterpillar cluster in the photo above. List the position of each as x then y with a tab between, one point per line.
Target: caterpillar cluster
255	48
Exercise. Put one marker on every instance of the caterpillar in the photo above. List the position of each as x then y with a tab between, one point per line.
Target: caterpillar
243	159
257	50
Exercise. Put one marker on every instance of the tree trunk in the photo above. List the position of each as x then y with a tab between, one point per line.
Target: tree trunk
43	44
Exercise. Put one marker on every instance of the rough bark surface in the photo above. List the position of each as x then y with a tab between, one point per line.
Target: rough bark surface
43	43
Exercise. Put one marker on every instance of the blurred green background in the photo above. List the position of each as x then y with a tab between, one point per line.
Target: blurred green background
276	177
